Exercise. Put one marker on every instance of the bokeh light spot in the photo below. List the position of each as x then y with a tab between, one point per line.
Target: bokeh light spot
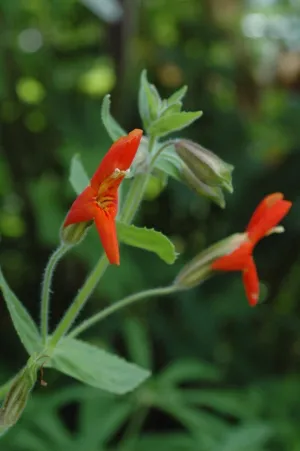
170	75
30	40
30	90
98	80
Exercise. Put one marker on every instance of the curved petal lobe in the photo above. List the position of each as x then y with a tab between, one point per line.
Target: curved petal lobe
251	282
106	227
83	208
272	216
262	208
119	156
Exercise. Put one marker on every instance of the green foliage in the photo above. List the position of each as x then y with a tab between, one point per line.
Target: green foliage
22	321
147	239
114	130
162	117
177	96
173	122
78	177
149	101
51	82
170	163
96	367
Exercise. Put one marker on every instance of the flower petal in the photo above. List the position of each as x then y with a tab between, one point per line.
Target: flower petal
83	208
119	156
106	227
251	282
268	214
235	261
262	207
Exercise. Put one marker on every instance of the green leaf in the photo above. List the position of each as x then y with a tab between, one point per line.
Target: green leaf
177	96
114	130
171	109
201	424
95	407
173	122
22	321
96	367
78	177
148	239
166	441
149	101
247	438
189	370
138	341
170	163
227	402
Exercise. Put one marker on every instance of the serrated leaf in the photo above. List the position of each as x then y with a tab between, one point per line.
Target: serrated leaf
177	95
149	101
22	321
78	177
173	122
96	367
114	130
148	239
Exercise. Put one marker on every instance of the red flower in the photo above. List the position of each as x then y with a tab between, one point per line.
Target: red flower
267	215
99	201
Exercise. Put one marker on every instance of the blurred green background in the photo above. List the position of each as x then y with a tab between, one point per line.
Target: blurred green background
225	377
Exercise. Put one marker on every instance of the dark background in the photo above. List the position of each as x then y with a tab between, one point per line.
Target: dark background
241	62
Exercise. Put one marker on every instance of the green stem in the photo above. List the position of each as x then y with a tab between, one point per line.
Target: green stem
79	301
46	287
131	205
134	198
162	291
134	427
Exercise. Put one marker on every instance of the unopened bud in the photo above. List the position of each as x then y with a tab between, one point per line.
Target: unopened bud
204	164
74	233
17	397
214	193
199	269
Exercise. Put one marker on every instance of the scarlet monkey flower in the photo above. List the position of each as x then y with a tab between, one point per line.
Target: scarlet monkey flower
99	201
267	215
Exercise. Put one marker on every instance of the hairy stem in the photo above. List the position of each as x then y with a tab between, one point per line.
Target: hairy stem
125	302
46	288
79	301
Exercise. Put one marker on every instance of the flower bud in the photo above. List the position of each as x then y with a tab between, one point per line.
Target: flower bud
204	164
17	397
213	193
199	269
74	233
